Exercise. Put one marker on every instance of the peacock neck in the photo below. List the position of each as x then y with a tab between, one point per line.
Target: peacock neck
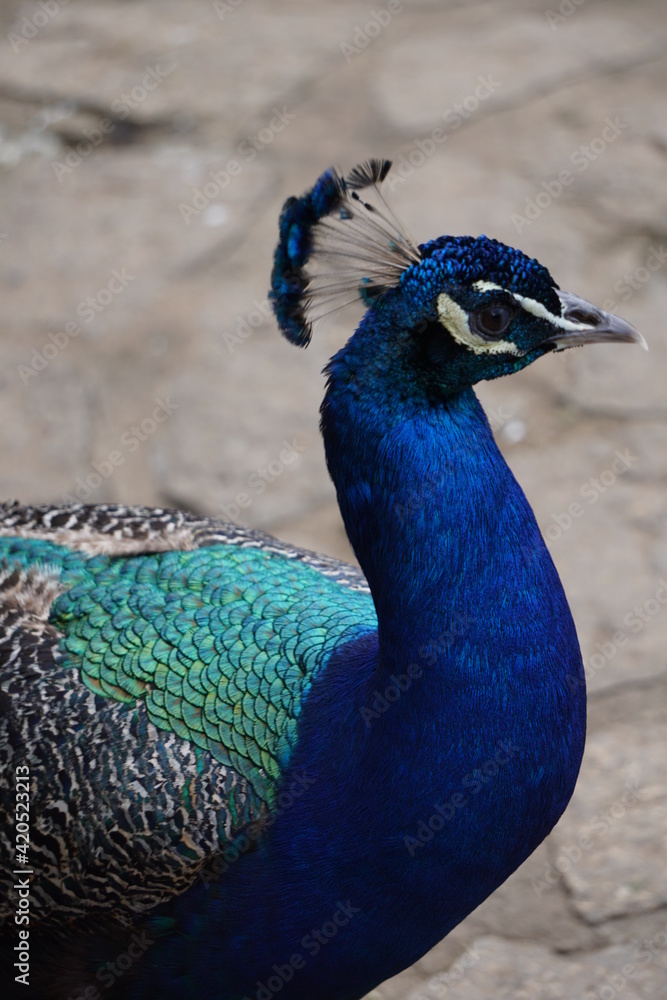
440	527
464	588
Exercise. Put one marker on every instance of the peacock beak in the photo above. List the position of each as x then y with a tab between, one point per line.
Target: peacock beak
581	322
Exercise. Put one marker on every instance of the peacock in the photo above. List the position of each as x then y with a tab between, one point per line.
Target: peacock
233	769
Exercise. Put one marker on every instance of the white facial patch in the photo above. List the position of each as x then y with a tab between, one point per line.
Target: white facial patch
455	320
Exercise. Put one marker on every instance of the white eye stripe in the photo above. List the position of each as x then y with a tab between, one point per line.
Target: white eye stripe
536	308
532	306
455	320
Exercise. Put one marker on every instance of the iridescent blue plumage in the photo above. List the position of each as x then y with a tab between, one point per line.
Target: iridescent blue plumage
297	221
290	776
471	259
332	207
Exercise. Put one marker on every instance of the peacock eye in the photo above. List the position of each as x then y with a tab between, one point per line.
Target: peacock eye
492	321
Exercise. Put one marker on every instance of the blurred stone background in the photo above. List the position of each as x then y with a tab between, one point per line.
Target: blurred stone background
146	147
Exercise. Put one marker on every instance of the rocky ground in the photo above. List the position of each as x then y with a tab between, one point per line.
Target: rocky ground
145	151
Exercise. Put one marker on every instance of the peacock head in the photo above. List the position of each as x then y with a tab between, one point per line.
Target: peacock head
459	309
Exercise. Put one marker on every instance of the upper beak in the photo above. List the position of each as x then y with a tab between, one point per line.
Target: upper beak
581	322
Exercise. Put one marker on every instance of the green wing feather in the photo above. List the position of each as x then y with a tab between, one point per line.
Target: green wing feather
153	666
222	643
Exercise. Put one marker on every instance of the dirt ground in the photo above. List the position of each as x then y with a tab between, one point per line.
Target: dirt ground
145	151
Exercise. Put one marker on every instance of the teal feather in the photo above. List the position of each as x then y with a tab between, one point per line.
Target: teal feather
206	639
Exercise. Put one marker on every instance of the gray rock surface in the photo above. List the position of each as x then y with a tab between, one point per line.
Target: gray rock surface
529	971
134	263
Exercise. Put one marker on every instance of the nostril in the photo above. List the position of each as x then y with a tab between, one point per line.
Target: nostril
581	316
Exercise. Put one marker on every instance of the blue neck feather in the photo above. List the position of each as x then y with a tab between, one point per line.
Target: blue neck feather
488	727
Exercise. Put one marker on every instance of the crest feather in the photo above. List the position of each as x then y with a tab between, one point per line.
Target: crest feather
336	247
